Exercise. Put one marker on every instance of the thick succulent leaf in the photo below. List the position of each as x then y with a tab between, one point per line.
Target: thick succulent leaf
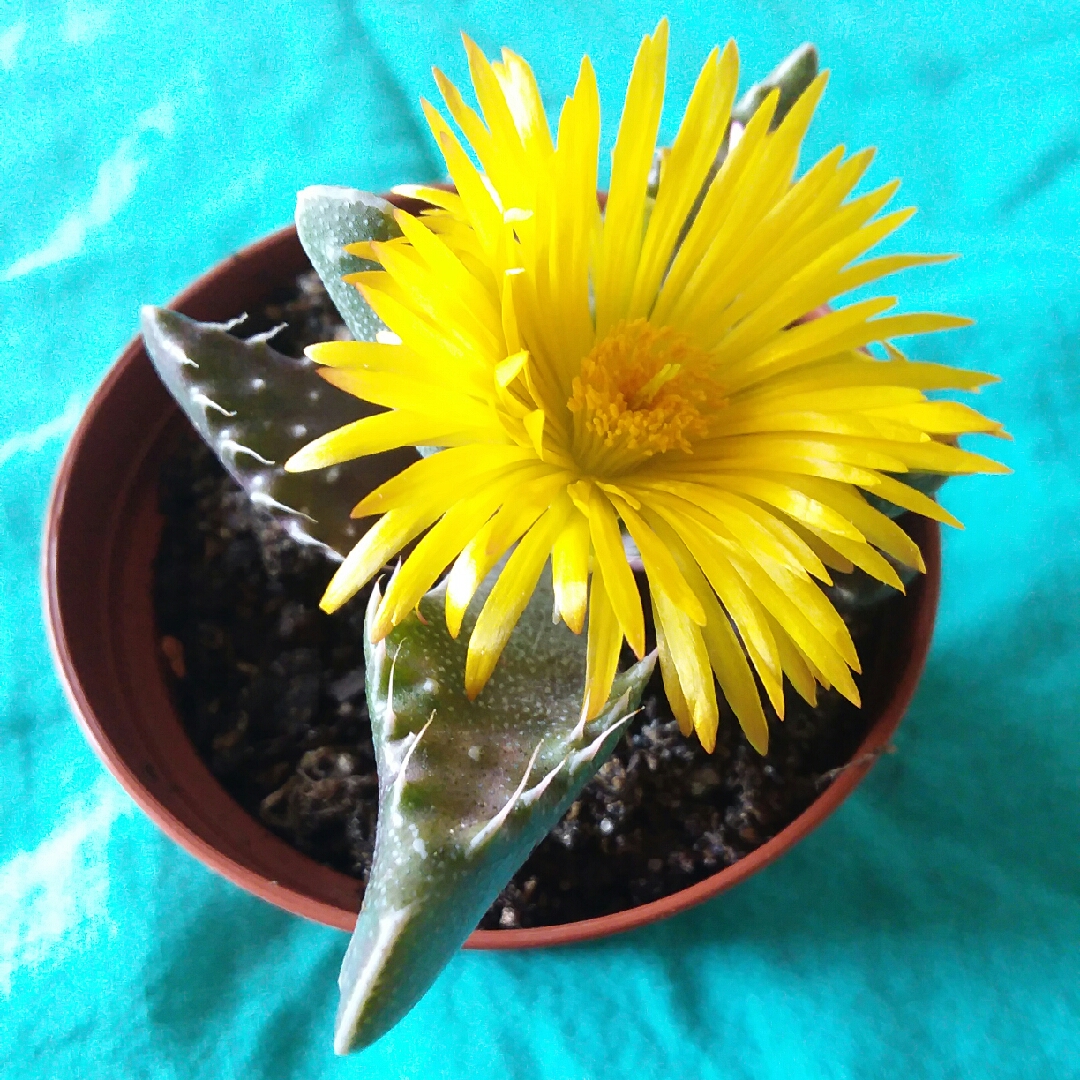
255	408
327	218
466	790
791	77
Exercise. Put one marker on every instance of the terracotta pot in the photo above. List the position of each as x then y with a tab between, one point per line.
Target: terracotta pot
101	537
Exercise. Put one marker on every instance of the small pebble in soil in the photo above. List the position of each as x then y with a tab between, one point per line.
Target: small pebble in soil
271	691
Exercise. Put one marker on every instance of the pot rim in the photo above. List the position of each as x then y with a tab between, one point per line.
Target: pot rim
863	759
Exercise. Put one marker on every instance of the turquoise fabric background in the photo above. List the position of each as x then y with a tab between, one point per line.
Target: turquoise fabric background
930	929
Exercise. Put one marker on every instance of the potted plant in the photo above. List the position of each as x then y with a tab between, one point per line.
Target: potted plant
658	387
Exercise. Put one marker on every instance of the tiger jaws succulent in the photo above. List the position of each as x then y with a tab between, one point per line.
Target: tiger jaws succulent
582	383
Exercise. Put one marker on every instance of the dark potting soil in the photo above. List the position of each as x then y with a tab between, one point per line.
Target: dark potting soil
271	691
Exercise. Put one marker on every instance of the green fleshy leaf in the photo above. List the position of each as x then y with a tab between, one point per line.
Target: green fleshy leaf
328	218
466	790
791	77
256	408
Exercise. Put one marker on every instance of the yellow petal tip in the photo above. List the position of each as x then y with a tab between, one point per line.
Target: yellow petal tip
759	742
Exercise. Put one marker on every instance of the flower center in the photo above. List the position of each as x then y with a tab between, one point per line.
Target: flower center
642	391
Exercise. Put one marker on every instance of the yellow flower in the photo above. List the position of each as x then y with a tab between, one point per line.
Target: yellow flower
588	373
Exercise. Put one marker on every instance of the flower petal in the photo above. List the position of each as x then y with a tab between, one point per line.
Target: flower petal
374	435
381	542
570	571
618	578
439	547
492	541
630	164
693	153
749	617
660	566
508	598
686	646
439	478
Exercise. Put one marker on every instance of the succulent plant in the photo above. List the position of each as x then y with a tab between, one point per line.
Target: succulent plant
791	77
473	772
466	790
327	220
255	408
